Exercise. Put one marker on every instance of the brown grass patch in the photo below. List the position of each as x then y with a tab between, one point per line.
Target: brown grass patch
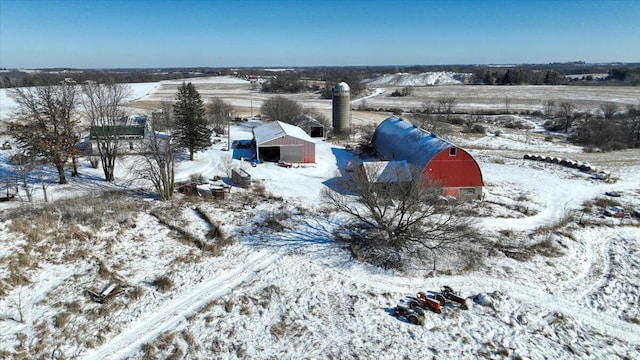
61	320
163	283
606	202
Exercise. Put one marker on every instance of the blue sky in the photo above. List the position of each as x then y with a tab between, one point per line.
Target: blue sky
159	33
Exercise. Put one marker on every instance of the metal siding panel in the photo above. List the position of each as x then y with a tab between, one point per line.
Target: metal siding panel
310	153
454	171
305	150
291	153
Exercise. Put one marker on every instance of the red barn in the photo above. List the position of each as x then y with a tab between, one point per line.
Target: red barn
281	141
441	162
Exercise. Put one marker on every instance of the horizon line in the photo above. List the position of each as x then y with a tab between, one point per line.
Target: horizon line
577	62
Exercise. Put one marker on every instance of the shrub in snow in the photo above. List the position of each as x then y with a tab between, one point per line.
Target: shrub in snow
163	283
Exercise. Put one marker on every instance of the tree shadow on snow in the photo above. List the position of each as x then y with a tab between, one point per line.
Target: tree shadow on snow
308	232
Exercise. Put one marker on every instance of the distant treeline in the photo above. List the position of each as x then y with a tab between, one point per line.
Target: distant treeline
520	76
19	78
323	78
300	79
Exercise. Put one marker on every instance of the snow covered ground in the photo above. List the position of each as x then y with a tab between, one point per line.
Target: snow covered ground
552	288
424	79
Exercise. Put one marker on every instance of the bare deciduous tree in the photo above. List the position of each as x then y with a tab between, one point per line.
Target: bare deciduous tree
103	105
47	123
428	107
608	110
567	111
219	114
633	114
281	108
23	165
226	160
403	217
157	163
43	183
163	119
430	123
550	108
446	105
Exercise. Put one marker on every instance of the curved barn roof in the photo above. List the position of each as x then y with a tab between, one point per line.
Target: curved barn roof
397	139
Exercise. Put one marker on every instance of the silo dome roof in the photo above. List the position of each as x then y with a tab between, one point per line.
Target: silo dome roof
342	87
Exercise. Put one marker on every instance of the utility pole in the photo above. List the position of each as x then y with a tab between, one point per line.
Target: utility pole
229	132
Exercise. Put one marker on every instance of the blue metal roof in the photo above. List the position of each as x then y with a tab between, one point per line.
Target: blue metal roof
398	139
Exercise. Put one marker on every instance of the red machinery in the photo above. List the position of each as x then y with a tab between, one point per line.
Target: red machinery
422	301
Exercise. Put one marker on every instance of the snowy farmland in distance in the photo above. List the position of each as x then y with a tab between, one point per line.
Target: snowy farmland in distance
292	292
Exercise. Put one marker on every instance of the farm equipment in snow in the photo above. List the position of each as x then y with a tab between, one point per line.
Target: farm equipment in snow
413	316
111	291
422	301
448	295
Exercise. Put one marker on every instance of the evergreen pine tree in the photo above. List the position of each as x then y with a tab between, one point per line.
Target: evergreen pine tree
192	132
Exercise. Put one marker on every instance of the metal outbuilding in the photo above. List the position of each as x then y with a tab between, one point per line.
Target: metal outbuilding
440	161
310	125
281	141
384	172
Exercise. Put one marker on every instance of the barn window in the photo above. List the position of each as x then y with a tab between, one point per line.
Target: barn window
452	151
469	191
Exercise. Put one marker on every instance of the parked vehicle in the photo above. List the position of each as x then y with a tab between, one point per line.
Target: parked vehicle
613	193
636	212
413	316
448	295
615	211
422	301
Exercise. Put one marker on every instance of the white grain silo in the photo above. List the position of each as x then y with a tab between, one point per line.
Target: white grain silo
341	108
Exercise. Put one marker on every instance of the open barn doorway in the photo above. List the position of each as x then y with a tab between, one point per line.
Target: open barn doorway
270	153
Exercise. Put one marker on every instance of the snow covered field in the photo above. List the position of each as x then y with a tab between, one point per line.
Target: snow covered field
281	288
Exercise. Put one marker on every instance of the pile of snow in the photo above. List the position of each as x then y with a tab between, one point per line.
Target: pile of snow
423	79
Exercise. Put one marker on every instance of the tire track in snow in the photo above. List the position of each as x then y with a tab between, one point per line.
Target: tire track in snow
176	311
594	271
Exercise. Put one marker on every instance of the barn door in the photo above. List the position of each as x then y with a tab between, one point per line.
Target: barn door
291	154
